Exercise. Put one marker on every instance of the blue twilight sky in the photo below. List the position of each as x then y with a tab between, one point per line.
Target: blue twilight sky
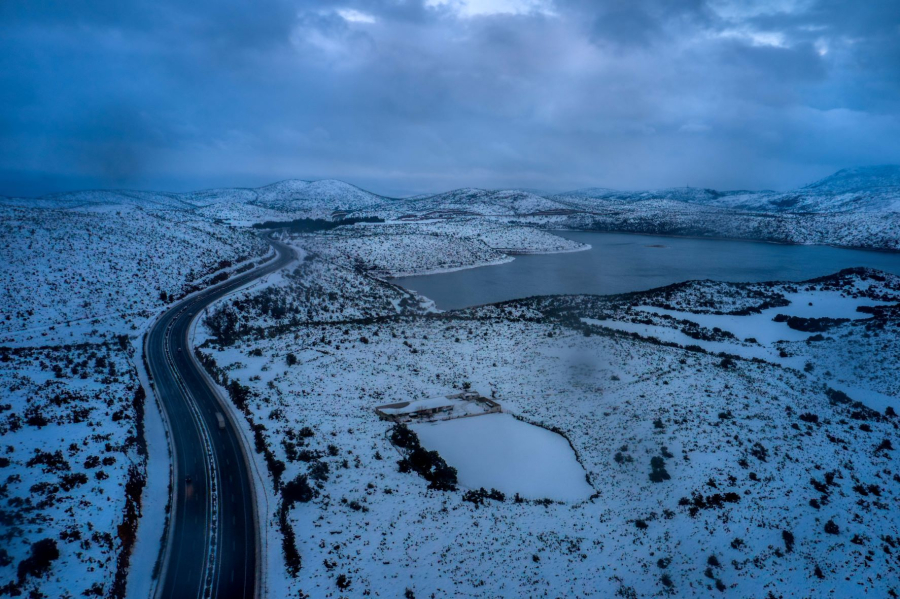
409	96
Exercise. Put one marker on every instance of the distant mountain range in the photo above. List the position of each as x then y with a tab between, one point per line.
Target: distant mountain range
857	207
875	188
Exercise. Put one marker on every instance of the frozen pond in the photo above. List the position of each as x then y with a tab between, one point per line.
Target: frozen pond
497	451
621	263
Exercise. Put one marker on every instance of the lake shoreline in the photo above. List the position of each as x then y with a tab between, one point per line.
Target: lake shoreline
720	238
620	263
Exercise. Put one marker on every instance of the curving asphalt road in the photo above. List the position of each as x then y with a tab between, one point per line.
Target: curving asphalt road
212	541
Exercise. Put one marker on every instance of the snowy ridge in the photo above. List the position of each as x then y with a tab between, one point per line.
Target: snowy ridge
866	192
315	197
858	179
871	189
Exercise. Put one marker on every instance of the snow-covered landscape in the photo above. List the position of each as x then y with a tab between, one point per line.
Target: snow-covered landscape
465	299
702	437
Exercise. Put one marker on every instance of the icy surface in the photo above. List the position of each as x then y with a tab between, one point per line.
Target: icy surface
498	451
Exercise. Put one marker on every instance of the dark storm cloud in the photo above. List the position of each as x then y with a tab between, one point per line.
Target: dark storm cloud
409	96
630	23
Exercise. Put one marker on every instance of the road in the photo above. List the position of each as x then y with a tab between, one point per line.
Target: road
212	540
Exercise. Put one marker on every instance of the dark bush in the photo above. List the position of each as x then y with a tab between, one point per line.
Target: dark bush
319	471
292	557
70	481
788	538
427	464
658	472
402	436
305	225
698	502
297	490
759	451
478	496
52	462
43	553
343	582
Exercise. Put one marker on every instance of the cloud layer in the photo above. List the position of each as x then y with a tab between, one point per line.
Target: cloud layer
408	96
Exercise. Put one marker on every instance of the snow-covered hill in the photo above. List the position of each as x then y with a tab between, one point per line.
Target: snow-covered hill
79	273
471	201
319	199
95	256
98	201
858	179
864	189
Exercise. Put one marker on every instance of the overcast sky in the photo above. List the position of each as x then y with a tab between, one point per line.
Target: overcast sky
409	96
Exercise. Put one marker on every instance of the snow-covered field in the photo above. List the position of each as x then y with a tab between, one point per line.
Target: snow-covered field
73	465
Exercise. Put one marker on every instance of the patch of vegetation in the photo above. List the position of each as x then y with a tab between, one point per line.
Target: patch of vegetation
810	325
310	225
43	553
427	464
658	472
699	502
477	496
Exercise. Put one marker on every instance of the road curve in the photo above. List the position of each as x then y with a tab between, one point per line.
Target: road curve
212	539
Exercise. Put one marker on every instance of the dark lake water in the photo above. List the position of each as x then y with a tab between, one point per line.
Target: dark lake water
620	263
